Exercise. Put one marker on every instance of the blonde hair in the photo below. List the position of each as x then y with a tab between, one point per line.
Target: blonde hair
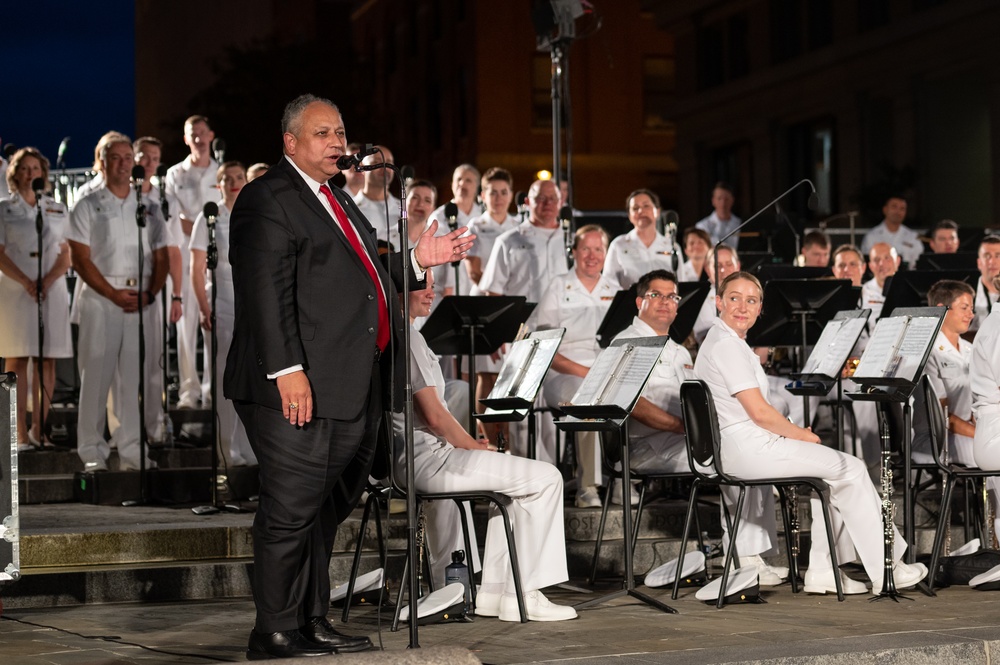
16	160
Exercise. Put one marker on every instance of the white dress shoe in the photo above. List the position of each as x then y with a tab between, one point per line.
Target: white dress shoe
488	604
588	497
822	581
904	575
768	575
616	494
537	606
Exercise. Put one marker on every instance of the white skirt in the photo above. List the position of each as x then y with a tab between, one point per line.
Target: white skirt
19	321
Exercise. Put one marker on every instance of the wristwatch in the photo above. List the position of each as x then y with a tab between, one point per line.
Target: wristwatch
177	299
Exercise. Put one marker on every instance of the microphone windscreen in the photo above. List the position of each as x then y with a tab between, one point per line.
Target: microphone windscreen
138	172
218	145
161	171
38	185
813	202
565	213
520	198
9	149
211	209
671	217
450	210
408	172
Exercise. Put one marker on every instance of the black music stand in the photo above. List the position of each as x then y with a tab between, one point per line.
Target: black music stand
471	325
604	402
623	310
519	380
894	380
956	261
795	312
766	272
908	288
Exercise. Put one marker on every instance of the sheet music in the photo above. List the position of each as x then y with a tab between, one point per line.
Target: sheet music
524	367
633	376
834	347
599	375
537	368
881	350
920	334
515	363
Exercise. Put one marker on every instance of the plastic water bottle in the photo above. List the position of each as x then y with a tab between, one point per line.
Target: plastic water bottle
706	549
457	571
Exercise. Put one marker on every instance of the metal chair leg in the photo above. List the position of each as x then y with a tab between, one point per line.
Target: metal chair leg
944	524
356	563
825	503
730	555
515	568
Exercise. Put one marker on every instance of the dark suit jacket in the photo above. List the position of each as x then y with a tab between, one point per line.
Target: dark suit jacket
303	296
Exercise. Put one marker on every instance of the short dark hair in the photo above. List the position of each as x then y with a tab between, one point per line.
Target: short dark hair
423	183
948	224
945	292
991	239
642	286
722	184
648	192
701	233
817	238
497	173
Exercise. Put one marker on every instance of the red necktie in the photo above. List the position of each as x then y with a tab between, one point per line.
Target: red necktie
382	337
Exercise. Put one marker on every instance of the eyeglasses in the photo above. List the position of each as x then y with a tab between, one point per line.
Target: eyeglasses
656	295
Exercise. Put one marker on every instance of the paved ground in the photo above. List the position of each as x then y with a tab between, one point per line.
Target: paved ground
956	627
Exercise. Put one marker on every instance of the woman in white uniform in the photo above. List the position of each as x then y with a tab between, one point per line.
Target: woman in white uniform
578	301
758	442
642	249
231	176
984	376
18	287
447	459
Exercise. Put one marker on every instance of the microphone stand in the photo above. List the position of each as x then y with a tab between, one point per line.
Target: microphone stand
411	498
168	429
211	261
41	321
140	222
715	250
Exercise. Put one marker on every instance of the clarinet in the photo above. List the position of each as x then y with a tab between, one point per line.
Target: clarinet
795	526
888	513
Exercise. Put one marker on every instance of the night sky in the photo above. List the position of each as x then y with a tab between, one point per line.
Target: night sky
69	70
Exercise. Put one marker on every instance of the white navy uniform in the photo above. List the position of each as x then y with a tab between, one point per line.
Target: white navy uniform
188	189
487	230
729	366
108	341
948	371
984	305
19	238
984	379
706	316
445	274
375	212
629	259
716	228
686	273
905	240
232	435
536	513
524	260
568	304
872	298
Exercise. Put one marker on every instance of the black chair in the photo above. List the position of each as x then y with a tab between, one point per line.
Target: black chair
701	427
610	460
950	474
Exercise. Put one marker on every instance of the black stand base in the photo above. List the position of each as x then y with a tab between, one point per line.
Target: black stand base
638	595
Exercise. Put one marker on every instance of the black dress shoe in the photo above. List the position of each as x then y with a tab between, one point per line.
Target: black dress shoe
319	630
287	644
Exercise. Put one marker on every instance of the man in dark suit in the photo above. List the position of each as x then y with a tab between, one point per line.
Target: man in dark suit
309	368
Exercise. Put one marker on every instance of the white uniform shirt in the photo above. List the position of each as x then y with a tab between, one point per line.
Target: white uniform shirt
984	369
374	212
686	273
444	275
189	188
523	262
984	305
905	240
706	317
663	389
487	230
948	370
568	304
629	259
20	239
224	269
716	228
729	366
872	298
107	225
86	188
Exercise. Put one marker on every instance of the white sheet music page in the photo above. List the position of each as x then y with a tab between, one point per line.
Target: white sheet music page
920	334
880	353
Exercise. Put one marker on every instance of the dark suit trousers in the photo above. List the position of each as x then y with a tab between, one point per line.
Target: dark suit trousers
310	480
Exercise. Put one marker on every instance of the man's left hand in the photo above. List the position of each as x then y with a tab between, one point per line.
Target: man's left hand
434	250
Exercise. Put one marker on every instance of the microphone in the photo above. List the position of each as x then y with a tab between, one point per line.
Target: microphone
670	221
566	222
715	250
451	212
38	187
211	211
408	173
161	177
521	198
61	155
347	162
138	175
219	150
8	150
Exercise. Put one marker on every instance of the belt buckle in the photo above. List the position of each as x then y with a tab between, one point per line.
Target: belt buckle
131	281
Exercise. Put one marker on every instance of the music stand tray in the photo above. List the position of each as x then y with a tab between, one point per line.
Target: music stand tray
795	311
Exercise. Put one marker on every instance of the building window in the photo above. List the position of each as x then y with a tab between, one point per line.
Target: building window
657	90
872	14
798	26
723	51
541	91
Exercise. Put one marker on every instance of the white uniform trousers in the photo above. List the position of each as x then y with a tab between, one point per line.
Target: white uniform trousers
156	417
187	336
536	513
456	396
233	441
751	452
986	451
561	388
546	434
108	343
